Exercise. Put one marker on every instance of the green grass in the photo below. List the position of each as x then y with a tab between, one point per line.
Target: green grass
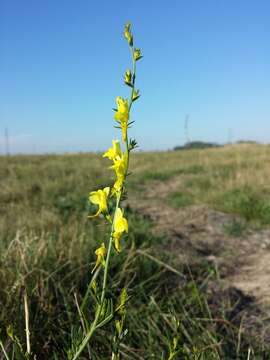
235	228
252	205
162	175
180	199
47	248
201	183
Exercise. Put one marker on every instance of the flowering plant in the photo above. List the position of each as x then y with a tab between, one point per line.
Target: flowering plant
118	154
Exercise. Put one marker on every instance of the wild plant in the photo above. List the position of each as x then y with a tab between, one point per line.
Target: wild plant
106	309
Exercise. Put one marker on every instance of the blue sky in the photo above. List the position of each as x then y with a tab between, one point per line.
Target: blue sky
62	63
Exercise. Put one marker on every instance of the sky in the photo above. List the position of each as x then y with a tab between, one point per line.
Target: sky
62	64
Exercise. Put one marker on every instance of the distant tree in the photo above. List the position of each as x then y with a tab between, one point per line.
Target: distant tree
247	142
197	145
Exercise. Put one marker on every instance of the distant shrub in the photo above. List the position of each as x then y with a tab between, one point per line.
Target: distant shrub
247	142
197	145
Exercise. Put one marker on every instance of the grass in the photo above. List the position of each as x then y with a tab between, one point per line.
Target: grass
180	199
235	228
252	205
47	249
232	179
166	175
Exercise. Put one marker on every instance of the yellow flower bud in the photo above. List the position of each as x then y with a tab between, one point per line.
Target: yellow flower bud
137	54
123	298
128	78
117	238
118	327
128	34
100	253
136	95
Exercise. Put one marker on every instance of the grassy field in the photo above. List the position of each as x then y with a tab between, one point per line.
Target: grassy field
47	250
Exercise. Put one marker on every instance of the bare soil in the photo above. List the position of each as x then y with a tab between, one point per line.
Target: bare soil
244	260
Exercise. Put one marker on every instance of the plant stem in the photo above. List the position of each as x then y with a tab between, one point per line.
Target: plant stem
134	75
109	251
4	351
88	336
105	278
27	331
131	97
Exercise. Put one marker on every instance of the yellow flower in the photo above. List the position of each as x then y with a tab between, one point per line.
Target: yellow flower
99	198
114	152
117	238
120	223
118	185
120	226
122	114
120	166
100	253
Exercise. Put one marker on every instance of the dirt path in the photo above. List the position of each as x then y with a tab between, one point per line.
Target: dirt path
198	230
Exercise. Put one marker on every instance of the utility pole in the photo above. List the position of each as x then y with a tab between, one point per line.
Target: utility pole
187	129
230	136
7	141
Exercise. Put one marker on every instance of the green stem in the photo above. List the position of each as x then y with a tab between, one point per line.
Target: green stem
105	278
88	335
4	351
134	74
109	252
131	48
